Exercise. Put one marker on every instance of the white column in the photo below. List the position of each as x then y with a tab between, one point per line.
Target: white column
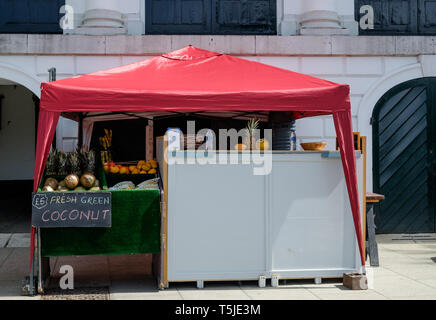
102	17
320	17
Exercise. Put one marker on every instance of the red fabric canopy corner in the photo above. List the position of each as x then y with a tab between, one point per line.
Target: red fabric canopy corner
192	79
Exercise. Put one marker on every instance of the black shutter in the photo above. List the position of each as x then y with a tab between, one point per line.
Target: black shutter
177	16
210	16
30	16
244	16
427	16
393	17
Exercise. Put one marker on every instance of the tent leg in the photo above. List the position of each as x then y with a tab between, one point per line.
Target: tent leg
31	281
40	286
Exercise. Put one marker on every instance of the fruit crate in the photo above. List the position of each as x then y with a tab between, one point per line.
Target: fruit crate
114	178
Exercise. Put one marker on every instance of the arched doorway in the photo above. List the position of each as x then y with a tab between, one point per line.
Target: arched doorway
404	157
19	100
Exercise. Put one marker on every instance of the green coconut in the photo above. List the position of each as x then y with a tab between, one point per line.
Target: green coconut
48	189
63	189
72	181
52	182
87	180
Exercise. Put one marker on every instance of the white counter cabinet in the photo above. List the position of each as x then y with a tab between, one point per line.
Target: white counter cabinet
225	223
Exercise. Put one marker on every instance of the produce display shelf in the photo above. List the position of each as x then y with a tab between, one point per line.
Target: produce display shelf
135	226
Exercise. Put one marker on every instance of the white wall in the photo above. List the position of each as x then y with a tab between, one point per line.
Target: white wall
17	136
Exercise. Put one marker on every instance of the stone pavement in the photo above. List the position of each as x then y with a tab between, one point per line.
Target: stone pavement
408	271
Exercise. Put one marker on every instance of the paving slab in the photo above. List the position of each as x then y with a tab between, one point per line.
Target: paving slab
352	295
280	293
429	282
4	238
400	286
16	265
11	290
141	290
212	290
420	272
4	254
213	294
19	240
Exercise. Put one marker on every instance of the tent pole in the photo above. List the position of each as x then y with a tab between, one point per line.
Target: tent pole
80	140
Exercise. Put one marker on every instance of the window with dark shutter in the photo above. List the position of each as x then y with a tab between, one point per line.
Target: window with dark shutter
30	16
400	17
210	16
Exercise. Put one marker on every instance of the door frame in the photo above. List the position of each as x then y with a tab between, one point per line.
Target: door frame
430	84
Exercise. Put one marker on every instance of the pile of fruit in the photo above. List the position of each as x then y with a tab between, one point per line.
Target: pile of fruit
87	182
141	167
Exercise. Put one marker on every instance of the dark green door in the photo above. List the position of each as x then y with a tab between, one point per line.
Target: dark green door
404	162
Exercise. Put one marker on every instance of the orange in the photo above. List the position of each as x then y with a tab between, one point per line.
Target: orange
131	168
152	171
240	147
124	170
141	163
114	169
143	172
106	169
146	167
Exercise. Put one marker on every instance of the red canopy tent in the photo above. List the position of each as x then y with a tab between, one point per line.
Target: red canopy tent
194	80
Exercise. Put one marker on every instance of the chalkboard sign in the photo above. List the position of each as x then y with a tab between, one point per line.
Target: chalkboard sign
71	209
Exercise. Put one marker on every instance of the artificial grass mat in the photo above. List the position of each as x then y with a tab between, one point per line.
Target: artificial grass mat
135	229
